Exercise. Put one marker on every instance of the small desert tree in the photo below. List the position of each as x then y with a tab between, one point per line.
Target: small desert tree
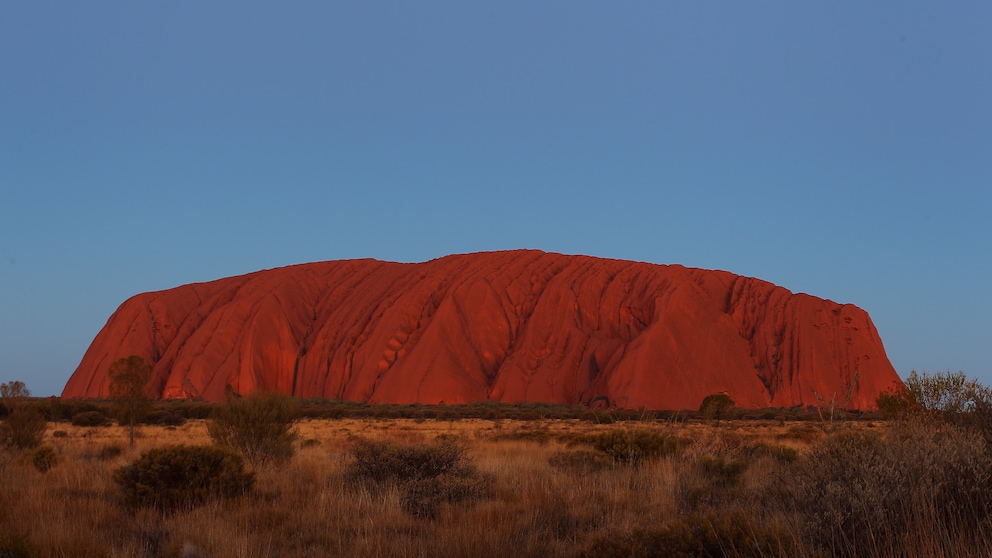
947	393
12	393
180	477
717	406
14	390
259	427
897	402
25	426
129	379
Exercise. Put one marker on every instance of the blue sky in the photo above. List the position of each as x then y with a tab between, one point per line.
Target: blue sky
841	149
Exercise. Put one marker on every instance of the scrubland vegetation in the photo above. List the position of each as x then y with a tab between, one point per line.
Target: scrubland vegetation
915	484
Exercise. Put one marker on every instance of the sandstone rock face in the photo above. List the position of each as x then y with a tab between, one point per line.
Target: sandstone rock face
517	326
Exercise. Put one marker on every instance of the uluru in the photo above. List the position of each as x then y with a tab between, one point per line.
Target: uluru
511	326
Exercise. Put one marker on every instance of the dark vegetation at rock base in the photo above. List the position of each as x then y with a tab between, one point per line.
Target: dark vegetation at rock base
174	413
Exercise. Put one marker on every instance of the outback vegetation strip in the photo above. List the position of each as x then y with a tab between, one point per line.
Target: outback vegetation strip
524	488
166	413
919	485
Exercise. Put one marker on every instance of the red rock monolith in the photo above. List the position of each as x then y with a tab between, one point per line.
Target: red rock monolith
515	326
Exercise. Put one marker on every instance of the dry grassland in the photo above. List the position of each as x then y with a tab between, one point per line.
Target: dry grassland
551	496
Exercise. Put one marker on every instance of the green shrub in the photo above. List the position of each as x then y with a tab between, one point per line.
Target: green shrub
90	418
725	471
861	490
109	452
16	546
449	415
717	406
182	476
62	410
777	451
528	415
807	433
634	446
601	417
714	534
43	458
259	427
381	461
539	436
194	409
945	393
24	428
896	403
172	419
423	497
428	474
165	418
579	462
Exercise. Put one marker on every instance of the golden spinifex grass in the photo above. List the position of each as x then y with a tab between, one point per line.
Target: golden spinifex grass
745	488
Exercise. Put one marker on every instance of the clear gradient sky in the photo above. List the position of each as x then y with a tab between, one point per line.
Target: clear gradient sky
842	149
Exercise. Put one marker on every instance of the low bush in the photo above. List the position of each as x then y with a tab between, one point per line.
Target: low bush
428	475
24	428
860	491
165	418
637	445
174	477
259	427
538	436
42	458
16	546
896	403
90	418
108	452
528	416
187	409
807	433
423	497
777	451
579	462
381	461
724	471
713	534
